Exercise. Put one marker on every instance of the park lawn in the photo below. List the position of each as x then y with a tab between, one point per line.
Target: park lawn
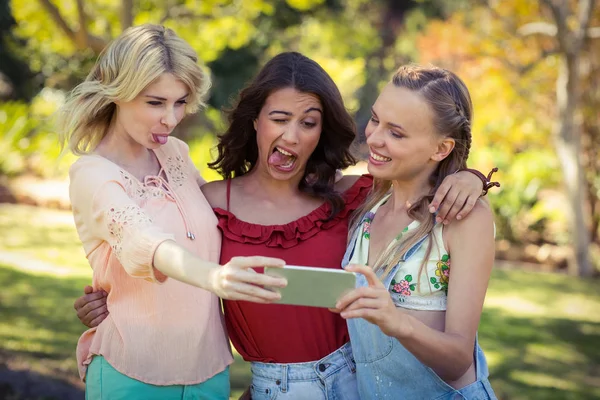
540	331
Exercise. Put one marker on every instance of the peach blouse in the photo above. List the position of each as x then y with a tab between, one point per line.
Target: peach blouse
159	331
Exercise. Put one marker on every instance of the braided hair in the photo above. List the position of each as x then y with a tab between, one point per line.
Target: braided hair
452	109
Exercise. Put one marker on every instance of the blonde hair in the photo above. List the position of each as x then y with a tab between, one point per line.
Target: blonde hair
449	99
125	68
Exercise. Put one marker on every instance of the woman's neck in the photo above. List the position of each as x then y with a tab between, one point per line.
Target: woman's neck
406	193
270	187
122	150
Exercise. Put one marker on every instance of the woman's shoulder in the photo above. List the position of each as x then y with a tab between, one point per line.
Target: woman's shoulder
348	181
216	193
478	223
92	168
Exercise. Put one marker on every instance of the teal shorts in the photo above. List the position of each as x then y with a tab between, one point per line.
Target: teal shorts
103	382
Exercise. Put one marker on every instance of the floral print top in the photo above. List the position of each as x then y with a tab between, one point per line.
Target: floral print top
412	287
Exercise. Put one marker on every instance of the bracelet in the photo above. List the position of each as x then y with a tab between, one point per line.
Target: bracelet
487	181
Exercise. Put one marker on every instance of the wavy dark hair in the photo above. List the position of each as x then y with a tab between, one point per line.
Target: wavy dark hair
238	149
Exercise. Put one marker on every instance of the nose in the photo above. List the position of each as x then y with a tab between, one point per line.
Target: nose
169	119
290	134
374	137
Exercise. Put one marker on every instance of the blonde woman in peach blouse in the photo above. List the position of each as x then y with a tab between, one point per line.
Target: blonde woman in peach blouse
142	219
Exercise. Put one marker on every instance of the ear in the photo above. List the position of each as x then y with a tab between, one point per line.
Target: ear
254	123
444	148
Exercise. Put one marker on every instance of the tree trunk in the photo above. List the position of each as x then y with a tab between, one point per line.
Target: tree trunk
391	20
567	140
126	14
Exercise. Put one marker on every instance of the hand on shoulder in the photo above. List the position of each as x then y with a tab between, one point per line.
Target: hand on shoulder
475	229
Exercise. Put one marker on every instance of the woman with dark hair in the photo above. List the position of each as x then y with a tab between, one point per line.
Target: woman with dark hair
239	149
289	133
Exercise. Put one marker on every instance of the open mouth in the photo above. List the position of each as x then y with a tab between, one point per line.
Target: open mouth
379	158
282	159
160	138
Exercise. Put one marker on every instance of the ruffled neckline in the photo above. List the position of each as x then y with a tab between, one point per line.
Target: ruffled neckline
290	234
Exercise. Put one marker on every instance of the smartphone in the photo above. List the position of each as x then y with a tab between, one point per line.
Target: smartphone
313	286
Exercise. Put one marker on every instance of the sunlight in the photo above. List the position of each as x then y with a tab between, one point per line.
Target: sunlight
543	380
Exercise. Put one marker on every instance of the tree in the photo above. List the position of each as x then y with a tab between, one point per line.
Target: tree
518	56
570	42
17	81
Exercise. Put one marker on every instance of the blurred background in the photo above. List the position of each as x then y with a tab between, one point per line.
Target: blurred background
533	68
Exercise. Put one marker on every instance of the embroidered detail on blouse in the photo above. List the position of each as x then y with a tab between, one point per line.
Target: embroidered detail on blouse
404	286
442	273
367	224
437	303
127	216
176	170
137	191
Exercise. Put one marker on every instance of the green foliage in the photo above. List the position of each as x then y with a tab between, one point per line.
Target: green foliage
27	142
513	111
15	126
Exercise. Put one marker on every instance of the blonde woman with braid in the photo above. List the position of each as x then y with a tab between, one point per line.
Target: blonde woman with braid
149	234
413	318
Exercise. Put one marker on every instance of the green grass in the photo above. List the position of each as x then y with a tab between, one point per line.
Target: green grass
540	332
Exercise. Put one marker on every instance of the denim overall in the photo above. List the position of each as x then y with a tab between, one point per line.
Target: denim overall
386	370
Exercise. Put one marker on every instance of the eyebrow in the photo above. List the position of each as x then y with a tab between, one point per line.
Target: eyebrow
289	114
389	123
164	99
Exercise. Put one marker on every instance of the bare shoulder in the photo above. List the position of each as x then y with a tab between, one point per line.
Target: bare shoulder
478	224
215	193
346	183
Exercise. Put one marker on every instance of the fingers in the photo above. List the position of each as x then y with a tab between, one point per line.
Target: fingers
248	292
456	207
440	194
365	313
236	280
446	205
88	289
87	298
242	284
368	272
96	321
467	208
251	277
349	298
94	317
363	302
92	305
255	261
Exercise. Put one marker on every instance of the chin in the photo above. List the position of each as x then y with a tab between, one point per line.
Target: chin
285	176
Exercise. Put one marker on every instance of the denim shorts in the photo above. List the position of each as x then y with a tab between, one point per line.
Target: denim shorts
332	377
103	382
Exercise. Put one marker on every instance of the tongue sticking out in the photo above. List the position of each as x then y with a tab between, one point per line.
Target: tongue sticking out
278	159
161	139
